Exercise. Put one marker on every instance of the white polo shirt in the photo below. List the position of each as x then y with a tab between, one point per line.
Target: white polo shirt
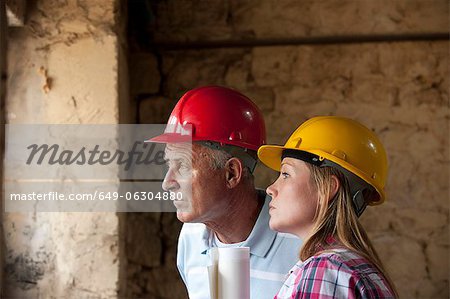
272	255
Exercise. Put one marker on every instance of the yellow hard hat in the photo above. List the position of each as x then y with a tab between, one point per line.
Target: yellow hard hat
344	142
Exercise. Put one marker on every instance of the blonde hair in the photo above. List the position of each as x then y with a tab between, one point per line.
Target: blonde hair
336	217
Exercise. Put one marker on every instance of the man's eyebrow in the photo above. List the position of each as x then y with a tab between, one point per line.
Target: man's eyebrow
177	157
172	159
168	155
169	158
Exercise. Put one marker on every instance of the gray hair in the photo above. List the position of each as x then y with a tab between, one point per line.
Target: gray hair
218	159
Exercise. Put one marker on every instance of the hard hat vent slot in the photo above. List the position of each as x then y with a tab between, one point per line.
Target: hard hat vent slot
235	136
340	154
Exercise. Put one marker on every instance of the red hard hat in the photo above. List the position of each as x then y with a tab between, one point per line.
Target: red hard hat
218	114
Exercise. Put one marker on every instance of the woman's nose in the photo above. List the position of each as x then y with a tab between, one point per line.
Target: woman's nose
170	183
271	190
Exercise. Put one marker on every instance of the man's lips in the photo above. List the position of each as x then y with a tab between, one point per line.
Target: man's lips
182	205
180	202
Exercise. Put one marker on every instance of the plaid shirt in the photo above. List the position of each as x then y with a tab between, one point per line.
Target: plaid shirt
337	274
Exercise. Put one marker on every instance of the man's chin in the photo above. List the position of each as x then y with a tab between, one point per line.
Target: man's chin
185	216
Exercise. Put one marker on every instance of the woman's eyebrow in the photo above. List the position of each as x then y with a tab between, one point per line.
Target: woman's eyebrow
287	163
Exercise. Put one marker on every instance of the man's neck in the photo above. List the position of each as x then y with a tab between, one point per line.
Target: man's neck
237	222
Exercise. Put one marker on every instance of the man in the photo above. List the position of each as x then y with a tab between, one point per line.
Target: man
220	206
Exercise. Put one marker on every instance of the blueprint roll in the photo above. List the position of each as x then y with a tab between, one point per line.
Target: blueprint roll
234	273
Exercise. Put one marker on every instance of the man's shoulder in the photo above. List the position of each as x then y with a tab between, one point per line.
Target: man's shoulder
192	227
193	238
191	230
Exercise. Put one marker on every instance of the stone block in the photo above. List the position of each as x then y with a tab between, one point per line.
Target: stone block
54	21
263	97
272	66
164	284
15	12
438	261
144	246
144	74
404	259
88	97
410	222
155	110
186	70
192	20
238	73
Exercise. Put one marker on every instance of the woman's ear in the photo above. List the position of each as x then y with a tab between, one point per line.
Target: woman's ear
233	172
334	186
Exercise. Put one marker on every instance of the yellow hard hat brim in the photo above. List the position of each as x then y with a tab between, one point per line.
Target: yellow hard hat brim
270	155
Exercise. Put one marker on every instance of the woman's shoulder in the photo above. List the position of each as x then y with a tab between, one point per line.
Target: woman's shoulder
345	271
342	259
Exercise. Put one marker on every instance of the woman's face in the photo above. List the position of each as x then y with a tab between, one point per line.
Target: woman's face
294	199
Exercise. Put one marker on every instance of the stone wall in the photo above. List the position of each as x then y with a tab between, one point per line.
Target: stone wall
298	59
63	68
3	83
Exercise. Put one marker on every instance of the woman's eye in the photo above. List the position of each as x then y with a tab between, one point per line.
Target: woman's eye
285	175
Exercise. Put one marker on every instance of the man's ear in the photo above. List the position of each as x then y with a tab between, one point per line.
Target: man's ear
335	184
233	172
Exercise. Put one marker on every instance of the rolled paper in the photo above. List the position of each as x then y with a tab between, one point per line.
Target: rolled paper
212	274
234	273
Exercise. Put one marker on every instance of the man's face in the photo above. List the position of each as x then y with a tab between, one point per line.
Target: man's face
203	188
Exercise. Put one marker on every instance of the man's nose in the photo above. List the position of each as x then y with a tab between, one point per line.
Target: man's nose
170	183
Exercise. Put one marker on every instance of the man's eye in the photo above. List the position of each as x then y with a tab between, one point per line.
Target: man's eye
171	165
184	166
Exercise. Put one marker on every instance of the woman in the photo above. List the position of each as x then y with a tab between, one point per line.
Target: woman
330	169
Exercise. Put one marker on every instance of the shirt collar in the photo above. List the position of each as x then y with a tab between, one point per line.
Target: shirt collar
261	237
330	242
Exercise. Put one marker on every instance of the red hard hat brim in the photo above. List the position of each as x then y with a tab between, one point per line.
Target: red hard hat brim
178	138
170	138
